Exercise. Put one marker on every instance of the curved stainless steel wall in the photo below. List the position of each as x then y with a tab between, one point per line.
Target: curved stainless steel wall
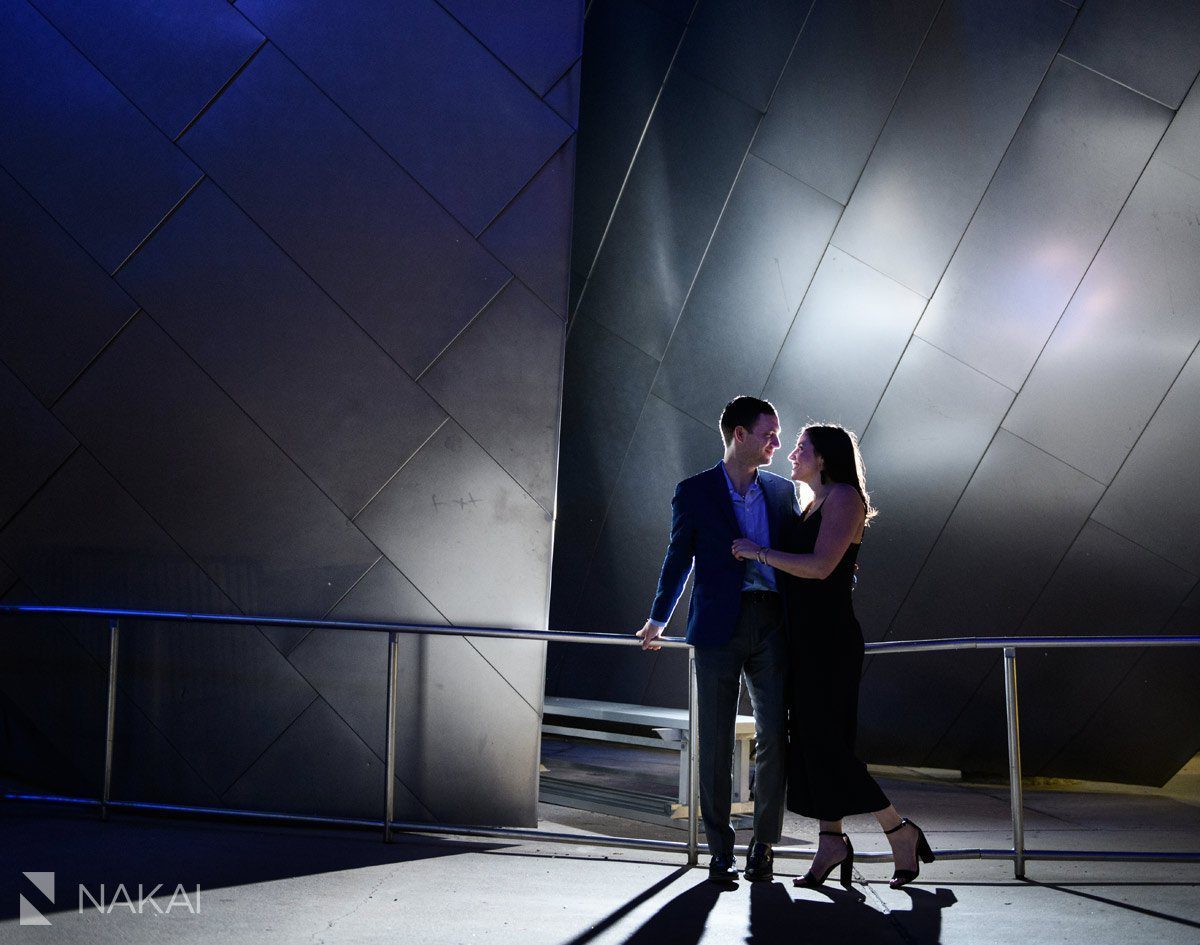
282	314
968	230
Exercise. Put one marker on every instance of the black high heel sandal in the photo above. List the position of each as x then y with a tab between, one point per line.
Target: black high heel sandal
924	855
811	880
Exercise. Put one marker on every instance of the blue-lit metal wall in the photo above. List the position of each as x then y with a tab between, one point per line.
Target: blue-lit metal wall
282	317
970	231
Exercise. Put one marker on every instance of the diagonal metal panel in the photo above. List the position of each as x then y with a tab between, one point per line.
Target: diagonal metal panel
1155	498
600	427
1105	584
765	250
537	40
195	685
386	594
595	437
1073	162
684	171
514	352
169	59
970	86
1152	46
321	746
341	409
449	694
35	444
454	117
229	432
741	48
520	663
1009	531
1134	322
215	482
667	446
393	259
1181	144
458	526
834	96
1157	695
83	538
488	780
58	686
564	96
627	48
679	10
349	670
147	765
532	237
57	306
74	142
951	412
842	348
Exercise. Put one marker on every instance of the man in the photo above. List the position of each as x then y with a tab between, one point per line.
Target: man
735	623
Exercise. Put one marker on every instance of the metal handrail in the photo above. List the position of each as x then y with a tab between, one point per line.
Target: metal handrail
1008	645
1002	643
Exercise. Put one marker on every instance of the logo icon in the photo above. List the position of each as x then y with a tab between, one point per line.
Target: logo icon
44	883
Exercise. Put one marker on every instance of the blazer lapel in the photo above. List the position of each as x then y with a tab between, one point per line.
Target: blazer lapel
720	487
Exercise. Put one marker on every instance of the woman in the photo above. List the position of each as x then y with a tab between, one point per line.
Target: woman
825	778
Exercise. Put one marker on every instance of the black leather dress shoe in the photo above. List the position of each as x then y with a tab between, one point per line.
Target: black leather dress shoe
721	868
760	862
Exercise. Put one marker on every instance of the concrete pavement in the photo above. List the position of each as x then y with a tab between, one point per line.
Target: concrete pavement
272	883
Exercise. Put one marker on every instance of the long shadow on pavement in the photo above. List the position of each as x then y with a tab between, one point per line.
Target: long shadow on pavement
1104	900
776	918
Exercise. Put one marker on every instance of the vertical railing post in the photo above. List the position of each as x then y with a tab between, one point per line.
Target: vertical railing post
1014	761
389	790
110	723
693	849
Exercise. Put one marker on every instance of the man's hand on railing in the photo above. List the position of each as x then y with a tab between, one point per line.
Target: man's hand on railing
649	635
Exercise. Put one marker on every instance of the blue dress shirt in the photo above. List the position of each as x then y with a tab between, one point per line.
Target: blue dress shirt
751	514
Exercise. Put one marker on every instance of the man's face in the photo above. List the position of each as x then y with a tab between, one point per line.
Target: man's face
759	443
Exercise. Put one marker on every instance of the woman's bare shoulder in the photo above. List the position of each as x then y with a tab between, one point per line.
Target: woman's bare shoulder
845	497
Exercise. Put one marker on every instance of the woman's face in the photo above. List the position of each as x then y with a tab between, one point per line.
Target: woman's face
806	465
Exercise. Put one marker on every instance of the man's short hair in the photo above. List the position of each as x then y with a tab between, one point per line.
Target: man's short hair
742	412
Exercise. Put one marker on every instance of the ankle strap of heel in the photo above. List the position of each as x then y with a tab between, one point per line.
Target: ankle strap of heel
904	822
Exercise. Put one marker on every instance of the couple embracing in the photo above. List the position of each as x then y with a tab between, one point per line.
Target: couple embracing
771	601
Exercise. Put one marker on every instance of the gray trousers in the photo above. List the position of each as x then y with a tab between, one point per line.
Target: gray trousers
757	648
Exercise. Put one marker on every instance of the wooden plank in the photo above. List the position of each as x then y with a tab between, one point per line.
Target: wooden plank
620	737
632	714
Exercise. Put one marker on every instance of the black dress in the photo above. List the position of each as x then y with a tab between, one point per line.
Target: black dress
825	646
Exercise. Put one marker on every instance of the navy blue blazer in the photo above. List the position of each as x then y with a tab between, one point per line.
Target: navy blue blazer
703	528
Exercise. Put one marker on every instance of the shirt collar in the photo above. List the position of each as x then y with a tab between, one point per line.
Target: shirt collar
754	486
